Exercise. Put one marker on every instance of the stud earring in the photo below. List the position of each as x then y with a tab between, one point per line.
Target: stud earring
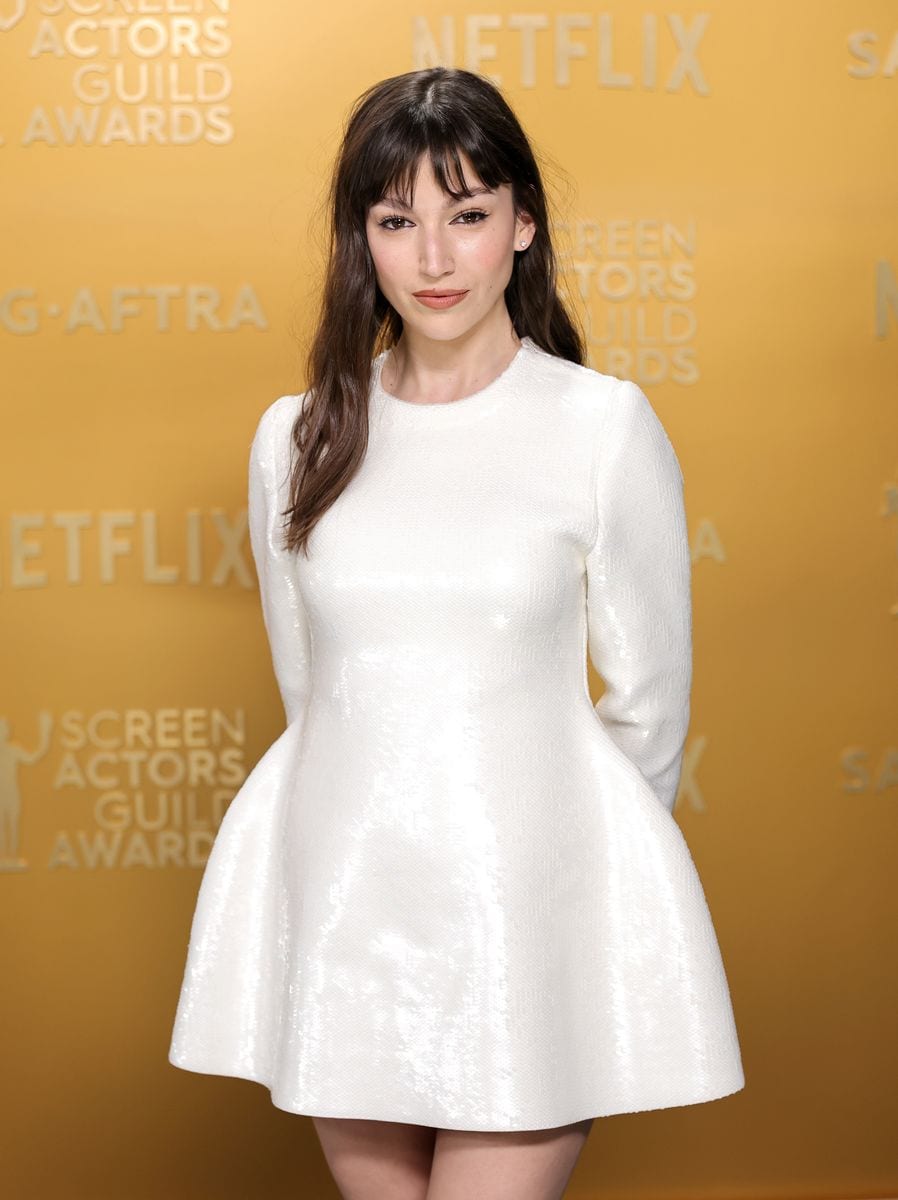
523	243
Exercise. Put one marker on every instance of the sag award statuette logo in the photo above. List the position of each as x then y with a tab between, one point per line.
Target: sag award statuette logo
11	756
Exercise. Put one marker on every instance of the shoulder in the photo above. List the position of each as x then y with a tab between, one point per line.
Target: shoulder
612	413
277	419
601	401
269	456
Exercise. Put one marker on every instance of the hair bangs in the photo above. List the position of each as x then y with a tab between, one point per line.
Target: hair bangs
393	164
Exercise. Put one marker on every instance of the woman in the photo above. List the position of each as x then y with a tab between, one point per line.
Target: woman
449	915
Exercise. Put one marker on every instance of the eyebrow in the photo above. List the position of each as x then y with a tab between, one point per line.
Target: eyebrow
397	203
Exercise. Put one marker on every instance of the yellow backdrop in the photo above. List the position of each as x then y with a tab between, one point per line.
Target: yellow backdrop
727	191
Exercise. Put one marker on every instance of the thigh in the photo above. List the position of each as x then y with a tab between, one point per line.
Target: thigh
531	1165
370	1160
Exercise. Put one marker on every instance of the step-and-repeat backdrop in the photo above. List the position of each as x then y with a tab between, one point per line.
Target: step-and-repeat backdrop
726	190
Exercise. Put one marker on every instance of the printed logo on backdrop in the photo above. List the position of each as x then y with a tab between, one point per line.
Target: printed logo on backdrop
633	279
133	78
561	49
129	787
873	54
11	14
870	772
90	544
885	299
890	511
163	307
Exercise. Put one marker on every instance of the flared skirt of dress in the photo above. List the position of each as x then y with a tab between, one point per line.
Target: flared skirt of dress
457	962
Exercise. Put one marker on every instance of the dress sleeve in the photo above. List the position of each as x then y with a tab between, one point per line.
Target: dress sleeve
639	609
282	607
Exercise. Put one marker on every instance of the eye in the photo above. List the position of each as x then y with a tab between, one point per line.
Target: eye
478	213
470	216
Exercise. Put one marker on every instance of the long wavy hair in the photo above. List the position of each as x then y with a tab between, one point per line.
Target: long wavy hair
442	112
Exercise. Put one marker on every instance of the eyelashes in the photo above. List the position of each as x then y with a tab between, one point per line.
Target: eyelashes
478	213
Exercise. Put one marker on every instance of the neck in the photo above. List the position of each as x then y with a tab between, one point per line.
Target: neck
434	371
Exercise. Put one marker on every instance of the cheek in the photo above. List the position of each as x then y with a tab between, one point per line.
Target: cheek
386	257
489	253
491	259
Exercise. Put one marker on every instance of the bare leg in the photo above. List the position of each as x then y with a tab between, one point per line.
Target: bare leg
377	1160
530	1165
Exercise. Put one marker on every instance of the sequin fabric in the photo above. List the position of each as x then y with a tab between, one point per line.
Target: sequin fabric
453	892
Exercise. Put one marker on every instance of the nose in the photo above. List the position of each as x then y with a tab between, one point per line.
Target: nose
434	251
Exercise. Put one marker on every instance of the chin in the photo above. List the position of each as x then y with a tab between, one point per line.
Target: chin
446	324
438	327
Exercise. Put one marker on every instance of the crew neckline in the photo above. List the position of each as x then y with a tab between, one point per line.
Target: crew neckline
466	408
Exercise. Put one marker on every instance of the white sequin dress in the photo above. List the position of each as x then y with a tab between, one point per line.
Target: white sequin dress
453	892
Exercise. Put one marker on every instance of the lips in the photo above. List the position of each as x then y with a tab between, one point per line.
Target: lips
435	300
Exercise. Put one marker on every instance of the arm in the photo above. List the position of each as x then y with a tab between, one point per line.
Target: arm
282	607
639	578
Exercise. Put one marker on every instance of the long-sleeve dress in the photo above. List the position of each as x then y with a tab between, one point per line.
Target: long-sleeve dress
453	891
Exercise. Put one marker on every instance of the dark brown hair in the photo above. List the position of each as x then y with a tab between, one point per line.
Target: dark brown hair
440	111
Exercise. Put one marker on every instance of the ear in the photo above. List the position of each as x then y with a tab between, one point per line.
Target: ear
524	231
